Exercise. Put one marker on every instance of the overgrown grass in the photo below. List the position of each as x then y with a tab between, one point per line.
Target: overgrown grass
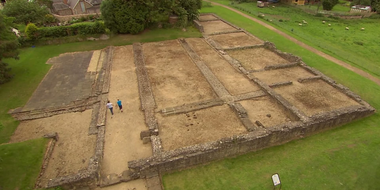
347	157
31	68
20	163
354	46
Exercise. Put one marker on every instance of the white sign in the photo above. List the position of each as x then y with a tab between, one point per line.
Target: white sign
276	179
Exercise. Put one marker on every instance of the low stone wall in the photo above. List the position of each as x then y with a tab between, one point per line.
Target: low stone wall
67	18
36	114
287	56
253	141
198	25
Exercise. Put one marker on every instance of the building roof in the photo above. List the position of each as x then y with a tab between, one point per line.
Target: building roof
94	2
72	3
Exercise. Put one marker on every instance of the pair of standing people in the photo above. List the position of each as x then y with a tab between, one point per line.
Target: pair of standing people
110	106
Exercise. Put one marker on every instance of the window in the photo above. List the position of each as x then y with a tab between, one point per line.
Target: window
82	6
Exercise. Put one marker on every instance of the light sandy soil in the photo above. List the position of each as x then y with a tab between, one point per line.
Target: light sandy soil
315	97
216	26
239	39
73	148
138	184
256	58
206	17
259	108
232	80
282	75
122	140
197	127
175	79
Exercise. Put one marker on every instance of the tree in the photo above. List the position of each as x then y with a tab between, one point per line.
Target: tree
329	4
25	11
125	16
133	16
8	47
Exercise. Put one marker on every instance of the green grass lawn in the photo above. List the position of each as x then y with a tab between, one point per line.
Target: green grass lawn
30	69
20	163
354	46
347	157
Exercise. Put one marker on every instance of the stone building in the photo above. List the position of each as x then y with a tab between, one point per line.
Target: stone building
74	7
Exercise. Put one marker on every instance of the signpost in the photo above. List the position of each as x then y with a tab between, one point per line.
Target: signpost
276	180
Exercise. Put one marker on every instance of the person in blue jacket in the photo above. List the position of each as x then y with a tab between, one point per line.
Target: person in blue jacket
120	105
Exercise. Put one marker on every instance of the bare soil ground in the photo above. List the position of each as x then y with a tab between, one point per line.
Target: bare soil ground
256	58
206	17
122	140
216	26
74	147
239	39
259	108
315	97
174	78
234	81
197	127
282	75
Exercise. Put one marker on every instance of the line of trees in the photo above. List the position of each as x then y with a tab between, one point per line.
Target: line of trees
8	47
133	16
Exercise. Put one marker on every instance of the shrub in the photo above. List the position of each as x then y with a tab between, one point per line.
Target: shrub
25	11
134	16
329	4
31	31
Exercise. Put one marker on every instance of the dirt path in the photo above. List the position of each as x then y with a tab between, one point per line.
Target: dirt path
328	57
122	141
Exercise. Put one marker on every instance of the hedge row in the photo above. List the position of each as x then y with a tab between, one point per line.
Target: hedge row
61	31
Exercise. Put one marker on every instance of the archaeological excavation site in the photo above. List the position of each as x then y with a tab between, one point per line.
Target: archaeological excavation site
186	102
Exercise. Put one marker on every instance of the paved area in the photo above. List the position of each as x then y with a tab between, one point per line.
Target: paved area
67	81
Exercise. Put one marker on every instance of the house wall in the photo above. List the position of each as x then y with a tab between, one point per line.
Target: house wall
78	10
94	9
65	12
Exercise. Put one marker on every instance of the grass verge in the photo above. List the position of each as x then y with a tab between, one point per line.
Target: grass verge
20	163
347	157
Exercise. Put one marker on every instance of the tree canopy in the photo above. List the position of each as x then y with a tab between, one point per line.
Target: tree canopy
133	16
25	11
8	46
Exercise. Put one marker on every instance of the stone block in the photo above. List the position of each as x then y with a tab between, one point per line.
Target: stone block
146	140
145	133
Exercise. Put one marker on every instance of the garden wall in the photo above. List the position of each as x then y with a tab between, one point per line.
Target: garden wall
70	17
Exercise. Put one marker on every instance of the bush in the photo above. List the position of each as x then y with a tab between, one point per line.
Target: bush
329	4
34	33
49	18
25	11
132	17
31	31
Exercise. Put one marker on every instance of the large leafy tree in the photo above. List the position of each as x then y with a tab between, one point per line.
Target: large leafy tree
133	16
25	11
8	47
